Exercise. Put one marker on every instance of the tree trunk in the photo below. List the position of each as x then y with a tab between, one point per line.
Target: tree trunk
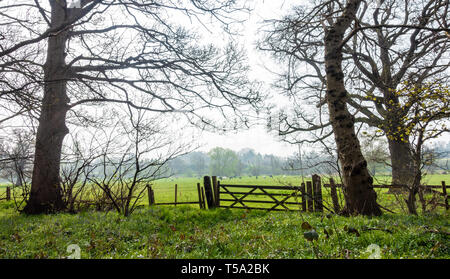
360	196
402	162
46	194
414	187
413	190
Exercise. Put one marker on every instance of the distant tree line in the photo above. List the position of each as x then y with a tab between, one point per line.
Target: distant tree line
228	163
247	162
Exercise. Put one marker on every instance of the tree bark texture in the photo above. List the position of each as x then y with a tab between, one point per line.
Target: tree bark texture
402	162
360	195
46	194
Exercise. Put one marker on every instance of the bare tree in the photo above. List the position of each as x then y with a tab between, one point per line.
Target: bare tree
390	42
77	166
428	123
123	171
325	25
16	154
118	52
361	198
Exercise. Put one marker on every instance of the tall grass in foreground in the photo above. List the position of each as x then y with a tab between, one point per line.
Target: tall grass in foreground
185	232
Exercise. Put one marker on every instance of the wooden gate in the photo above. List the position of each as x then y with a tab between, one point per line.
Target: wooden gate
273	198
280	197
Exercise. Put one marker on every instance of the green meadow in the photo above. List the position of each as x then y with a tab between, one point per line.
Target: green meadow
186	232
171	232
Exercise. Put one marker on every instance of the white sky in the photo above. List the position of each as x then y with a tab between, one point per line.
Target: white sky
256	137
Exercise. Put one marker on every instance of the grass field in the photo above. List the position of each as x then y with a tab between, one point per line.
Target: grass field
188	232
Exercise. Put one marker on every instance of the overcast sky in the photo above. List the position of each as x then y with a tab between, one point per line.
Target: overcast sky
257	137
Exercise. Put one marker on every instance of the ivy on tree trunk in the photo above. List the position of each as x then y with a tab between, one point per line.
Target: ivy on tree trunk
360	196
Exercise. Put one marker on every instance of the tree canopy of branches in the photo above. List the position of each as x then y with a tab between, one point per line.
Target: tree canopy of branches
57	57
390	42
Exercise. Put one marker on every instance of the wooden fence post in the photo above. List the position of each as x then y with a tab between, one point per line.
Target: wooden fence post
208	191
8	193
334	196
317	185
176	194
151	195
444	191
203	197
309	196
218	194
215	189
200	200
302	190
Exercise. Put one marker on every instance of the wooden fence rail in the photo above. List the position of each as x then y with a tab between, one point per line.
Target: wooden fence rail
387	186
423	188
239	196
200	202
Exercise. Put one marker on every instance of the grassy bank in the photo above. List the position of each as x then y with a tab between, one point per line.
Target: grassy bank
186	232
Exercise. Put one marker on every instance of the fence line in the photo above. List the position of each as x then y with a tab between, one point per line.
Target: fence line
200	202
310	195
